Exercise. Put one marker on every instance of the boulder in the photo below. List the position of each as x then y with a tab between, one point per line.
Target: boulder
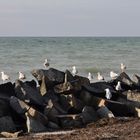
7	124
104	112
89	115
26	92
34	125
4	108
52	76
7	89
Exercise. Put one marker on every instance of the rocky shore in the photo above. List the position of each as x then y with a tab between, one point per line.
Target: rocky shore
63	103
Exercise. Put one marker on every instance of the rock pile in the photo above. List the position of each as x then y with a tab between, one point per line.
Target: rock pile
64	101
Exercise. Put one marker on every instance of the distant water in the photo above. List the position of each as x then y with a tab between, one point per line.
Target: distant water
88	54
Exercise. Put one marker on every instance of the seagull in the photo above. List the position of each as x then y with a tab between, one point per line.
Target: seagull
118	86
74	70
113	75
123	67
90	77
46	63
4	76
99	76
108	94
21	76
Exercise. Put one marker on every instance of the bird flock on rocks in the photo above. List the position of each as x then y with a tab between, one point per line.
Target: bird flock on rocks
100	77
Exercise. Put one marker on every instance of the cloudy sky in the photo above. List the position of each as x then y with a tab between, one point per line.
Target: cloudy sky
69	17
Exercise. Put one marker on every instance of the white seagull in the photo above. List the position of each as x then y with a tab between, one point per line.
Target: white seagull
113	75
46	63
123	67
74	70
118	86
108	94
21	76
90	77
4	76
99	76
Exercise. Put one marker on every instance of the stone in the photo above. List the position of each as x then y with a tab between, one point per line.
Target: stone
104	112
89	115
26	92
7	124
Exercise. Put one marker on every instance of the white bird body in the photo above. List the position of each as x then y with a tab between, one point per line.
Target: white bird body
118	86
123	67
21	76
4	76
27	122
74	70
99	76
90	77
108	94
46	63
113	75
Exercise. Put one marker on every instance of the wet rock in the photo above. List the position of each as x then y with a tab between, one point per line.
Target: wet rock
26	92
4	107
119	108
34	125
126	82
51	112
52	76
70	120
104	112
53	125
98	89
19	106
89	115
136	80
38	116
7	89
64	102
7	124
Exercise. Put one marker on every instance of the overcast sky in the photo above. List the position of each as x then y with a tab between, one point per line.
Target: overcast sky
69	17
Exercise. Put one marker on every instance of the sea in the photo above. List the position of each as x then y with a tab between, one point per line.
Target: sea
88	54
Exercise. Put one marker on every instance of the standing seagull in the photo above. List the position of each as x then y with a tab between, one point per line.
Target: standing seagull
46	63
108	94
74	70
118	86
123	67
4	76
21	76
113	75
99	76
90	77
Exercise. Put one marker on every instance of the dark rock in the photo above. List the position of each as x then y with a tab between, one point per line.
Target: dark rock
7	89
98	89
52	110
52	76
136	80
53	125
89	115
119	108
4	108
19	106
7	124
126	82
34	125
26	92
104	112
68	121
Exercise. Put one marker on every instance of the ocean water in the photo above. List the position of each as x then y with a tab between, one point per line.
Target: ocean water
88	54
